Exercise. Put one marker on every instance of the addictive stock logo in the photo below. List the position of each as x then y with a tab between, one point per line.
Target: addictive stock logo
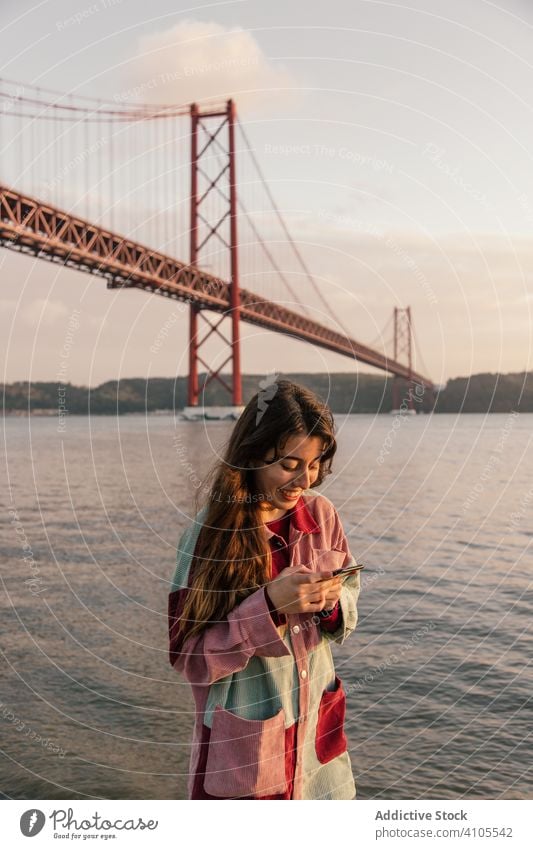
31	822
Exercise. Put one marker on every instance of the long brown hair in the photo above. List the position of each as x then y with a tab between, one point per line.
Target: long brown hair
232	557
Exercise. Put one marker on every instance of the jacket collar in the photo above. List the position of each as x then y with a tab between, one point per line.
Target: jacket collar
301	518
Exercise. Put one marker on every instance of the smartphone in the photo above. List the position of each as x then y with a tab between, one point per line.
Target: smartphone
348	570
344	573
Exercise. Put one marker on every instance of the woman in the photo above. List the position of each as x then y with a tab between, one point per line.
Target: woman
254	606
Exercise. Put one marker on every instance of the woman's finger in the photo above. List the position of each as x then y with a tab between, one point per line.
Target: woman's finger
318	603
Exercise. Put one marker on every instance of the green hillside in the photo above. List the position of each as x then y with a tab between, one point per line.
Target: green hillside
344	392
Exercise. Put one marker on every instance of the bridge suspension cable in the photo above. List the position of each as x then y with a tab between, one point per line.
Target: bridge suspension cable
381	339
98	106
288	235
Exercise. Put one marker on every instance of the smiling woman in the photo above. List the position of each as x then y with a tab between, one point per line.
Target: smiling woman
285	477
253	608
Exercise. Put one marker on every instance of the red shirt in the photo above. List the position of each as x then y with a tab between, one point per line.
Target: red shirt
281	559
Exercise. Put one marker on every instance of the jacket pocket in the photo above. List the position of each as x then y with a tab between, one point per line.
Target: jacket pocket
246	757
330	739
327	559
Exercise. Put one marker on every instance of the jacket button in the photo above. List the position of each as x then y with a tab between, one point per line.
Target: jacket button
296	629
303	673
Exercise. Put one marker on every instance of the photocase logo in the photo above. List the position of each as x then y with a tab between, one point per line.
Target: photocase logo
31	822
269	387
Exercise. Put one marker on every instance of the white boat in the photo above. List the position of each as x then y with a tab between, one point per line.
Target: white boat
195	414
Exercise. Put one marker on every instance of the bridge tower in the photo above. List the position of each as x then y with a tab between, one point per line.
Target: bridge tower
403	347
213	177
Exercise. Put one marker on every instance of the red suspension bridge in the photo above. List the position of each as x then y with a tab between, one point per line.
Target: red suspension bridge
79	173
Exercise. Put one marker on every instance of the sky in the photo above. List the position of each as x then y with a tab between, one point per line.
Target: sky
396	138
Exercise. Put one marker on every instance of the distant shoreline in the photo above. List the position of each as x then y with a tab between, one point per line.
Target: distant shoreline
50	414
345	393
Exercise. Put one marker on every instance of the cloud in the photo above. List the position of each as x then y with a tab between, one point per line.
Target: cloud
44	312
196	61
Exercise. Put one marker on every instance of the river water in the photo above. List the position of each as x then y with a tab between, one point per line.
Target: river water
438	672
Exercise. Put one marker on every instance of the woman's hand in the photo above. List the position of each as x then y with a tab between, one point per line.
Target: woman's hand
333	594
297	589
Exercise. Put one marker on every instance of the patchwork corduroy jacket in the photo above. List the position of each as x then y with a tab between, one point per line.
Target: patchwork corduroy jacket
254	682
